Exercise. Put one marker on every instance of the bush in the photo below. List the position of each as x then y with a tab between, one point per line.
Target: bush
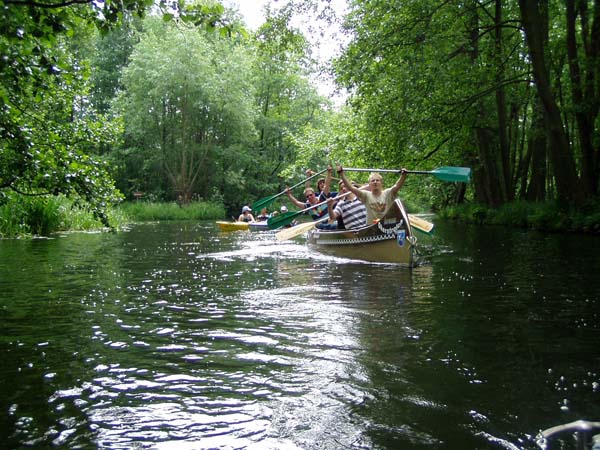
548	216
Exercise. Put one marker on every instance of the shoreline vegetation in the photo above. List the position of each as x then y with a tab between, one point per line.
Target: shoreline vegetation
545	217
42	216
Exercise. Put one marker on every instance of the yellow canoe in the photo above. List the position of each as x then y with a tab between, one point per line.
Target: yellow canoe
232	226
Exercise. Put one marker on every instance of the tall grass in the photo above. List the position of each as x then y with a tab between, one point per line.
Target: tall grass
24	216
144	211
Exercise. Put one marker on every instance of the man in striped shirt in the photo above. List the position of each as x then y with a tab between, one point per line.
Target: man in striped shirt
350	209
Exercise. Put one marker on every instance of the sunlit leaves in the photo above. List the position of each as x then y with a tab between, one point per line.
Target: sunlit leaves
187	102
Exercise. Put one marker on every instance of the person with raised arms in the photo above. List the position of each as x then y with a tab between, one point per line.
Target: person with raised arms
377	200
323	191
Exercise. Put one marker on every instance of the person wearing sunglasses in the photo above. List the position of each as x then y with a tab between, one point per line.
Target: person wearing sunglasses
323	191
311	200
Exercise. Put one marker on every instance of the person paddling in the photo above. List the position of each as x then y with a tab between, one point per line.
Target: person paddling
377	200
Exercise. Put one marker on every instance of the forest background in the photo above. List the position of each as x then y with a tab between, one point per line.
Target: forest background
178	105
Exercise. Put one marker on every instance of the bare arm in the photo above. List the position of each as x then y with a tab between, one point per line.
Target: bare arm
293	199
330	210
355	191
309	173
396	187
327	187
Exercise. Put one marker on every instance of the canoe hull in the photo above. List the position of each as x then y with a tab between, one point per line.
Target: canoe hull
258	226
232	226
389	241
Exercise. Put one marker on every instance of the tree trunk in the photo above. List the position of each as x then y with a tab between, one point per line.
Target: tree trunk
583	92
563	163
537	143
485	178
506	184
488	184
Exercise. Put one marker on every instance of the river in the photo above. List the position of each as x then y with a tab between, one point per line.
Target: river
178	336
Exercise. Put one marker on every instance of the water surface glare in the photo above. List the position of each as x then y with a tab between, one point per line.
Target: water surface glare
178	336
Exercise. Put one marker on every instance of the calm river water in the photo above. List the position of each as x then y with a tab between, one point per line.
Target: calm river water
178	336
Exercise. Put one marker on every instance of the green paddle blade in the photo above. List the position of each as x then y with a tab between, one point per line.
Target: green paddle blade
459	174
263	202
283	219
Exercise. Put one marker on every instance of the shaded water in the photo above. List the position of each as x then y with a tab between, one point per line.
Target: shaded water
177	336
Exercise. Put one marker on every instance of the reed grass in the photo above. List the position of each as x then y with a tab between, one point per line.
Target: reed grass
22	216
144	211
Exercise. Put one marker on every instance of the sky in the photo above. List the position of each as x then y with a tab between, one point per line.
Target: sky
324	47
251	10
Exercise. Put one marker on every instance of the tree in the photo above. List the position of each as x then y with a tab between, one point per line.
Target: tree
287	102
49	134
188	107
563	163
456	82
47	140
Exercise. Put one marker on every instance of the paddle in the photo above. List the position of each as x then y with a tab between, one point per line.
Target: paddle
420	224
281	220
297	230
259	204
289	233
446	173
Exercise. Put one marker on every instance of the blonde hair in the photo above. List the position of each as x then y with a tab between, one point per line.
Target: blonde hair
375	175
308	190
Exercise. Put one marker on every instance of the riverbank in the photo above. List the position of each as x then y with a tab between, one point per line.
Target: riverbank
547	217
22	216
29	216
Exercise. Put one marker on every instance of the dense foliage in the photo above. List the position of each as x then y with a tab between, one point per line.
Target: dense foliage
509	88
112	100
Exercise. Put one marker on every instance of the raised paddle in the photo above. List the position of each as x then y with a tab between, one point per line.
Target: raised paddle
259	204
446	173
281	220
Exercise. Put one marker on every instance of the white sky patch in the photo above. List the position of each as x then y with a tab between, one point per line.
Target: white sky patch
251	10
327	42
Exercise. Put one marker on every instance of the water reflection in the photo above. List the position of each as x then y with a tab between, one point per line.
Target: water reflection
178	336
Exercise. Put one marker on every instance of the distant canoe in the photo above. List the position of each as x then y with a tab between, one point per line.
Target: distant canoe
258	226
232	226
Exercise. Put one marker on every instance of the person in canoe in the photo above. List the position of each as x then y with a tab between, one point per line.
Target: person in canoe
311	200
377	200
349	212
323	191
246	215
283	210
263	216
